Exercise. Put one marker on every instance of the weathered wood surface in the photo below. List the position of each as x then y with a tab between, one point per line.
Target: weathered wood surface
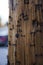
25	32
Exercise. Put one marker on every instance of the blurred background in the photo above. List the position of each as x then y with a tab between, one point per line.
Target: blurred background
4	13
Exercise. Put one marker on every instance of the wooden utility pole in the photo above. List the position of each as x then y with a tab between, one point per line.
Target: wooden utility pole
25	32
